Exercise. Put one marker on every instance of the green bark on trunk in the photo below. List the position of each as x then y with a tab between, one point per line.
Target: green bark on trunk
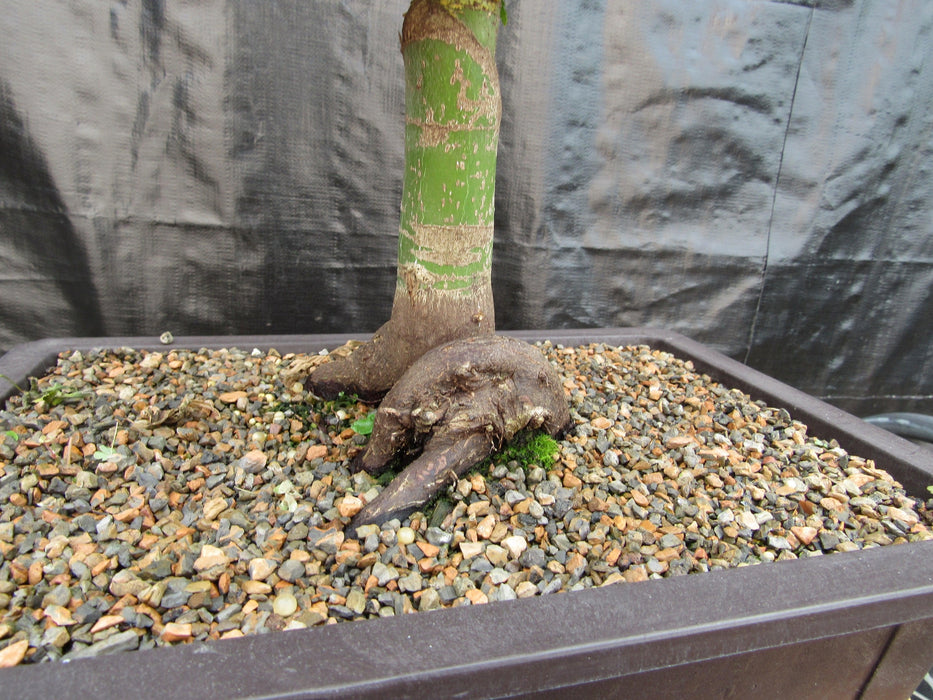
453	108
451	135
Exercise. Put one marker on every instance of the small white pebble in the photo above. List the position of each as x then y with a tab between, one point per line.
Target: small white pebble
285	604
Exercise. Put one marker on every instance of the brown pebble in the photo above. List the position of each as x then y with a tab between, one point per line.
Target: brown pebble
634	574
35	573
667	555
214	507
60	615
428	549
522	506
476	596
255	587
471	549
349	506
570	481
805	534
106	622
315	452
13	654
903	515
176	632
478	509
601	423
832	504
640	498
576	563
253	461
486	527
125	516
101	567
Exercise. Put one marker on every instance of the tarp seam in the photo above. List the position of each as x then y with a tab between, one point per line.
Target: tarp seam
777	180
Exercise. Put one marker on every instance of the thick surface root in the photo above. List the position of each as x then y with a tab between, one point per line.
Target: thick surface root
415	328
368	372
461	402
441	464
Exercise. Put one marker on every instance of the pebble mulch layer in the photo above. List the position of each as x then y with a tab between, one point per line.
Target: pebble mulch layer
153	498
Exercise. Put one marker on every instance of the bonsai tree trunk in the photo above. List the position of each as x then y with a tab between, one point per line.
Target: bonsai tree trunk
458	392
443	290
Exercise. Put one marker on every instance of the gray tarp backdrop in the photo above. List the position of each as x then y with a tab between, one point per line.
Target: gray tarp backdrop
751	173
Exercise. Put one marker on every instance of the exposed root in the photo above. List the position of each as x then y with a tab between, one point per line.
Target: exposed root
439	464
415	328
302	366
367	372
462	401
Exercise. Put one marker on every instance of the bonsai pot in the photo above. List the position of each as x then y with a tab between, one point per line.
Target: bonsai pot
848	625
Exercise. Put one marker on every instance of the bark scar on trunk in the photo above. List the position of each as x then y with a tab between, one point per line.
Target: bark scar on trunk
461	401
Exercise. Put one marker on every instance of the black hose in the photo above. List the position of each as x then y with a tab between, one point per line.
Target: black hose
916	426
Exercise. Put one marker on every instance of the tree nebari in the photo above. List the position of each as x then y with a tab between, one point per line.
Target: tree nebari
458	392
458	404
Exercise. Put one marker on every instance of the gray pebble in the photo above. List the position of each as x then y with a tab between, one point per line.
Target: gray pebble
291	570
121	641
410	583
533	556
438	537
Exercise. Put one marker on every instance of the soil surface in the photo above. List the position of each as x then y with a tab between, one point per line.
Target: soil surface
153	498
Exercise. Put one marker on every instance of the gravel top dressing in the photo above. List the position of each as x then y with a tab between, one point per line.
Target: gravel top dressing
153	498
